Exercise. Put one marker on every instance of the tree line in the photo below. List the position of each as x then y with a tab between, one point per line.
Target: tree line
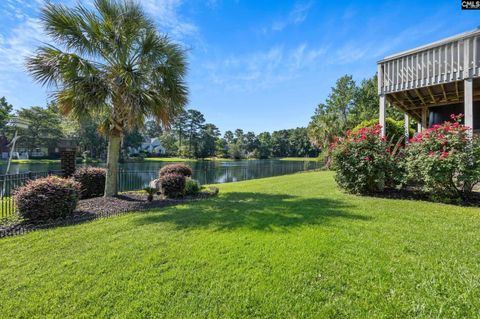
189	135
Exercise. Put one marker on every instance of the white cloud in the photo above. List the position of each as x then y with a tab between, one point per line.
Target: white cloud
296	16
264	69
166	14
21	42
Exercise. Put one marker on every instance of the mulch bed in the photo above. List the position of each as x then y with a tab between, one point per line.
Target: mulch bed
99	207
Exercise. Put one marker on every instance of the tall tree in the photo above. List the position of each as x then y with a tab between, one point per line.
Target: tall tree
90	139
280	143
209	136
251	142
299	143
115	62
179	127
44	127
195	122
239	135
5	112
229	137
331	118
366	105
265	145
365	102
169	142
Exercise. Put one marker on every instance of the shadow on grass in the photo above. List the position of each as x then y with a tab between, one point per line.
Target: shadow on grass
255	211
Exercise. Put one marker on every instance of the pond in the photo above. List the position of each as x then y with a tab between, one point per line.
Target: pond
137	175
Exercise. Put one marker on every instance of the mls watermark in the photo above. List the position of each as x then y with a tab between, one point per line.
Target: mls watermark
470	5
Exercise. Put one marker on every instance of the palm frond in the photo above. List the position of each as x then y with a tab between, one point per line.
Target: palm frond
115	62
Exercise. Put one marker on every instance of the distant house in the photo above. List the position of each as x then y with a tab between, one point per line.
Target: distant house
149	146
431	82
23	152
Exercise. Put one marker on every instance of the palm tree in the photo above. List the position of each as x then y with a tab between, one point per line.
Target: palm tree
110	62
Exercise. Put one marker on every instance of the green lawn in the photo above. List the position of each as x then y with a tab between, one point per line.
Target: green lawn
32	161
281	247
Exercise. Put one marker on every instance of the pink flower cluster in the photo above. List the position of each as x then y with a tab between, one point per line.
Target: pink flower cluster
363	133
440	137
439	131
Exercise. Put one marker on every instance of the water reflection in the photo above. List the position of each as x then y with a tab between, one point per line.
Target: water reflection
137	175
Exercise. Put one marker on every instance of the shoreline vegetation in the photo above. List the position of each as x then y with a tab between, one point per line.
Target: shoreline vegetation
160	159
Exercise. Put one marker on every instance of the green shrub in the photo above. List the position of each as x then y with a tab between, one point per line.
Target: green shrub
445	160
364	162
47	198
150	192
92	181
395	129
192	187
173	185
181	169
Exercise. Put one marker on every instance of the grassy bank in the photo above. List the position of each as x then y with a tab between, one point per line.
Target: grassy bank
300	159
31	161
281	247
181	159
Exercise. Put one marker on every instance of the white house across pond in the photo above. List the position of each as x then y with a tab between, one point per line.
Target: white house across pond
149	145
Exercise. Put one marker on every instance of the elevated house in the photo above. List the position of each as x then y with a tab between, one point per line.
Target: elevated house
431	82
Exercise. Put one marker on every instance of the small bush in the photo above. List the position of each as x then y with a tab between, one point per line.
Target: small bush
181	169
150	192
364	162
92	181
173	185
213	190
445	160
192	187
47	198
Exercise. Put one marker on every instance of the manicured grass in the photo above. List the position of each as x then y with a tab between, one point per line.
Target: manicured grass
282	247
31	161
300	159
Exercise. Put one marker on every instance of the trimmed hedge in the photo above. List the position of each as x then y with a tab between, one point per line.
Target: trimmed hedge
47	198
92	181
173	185
180	169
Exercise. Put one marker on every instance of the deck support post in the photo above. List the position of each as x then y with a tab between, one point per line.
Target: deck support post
424	118
381	119
419	127
406	120
468	103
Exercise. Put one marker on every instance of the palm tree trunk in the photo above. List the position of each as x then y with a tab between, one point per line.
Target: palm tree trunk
111	183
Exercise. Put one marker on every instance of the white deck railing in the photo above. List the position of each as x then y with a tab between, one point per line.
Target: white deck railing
449	60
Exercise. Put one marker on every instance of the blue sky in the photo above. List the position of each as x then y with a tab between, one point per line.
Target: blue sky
257	65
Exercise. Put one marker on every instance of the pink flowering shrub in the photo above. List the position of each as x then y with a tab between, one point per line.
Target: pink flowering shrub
445	160
364	162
